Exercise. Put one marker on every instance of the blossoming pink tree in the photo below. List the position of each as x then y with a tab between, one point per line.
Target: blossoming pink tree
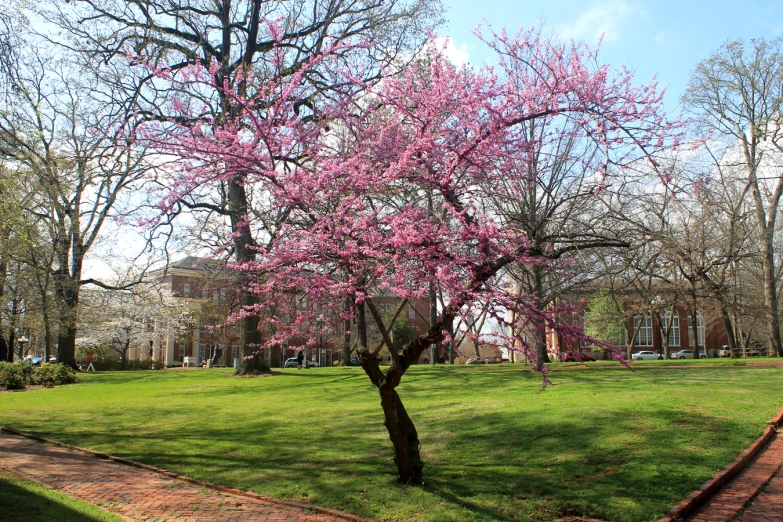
385	193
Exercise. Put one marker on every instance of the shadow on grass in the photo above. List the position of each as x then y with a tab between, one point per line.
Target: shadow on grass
27	504
566	467
494	449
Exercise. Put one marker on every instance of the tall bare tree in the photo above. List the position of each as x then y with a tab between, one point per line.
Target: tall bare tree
737	96
59	135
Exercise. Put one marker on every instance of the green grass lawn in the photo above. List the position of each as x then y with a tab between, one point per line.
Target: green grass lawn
607	443
24	501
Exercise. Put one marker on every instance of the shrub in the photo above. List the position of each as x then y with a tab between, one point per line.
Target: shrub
53	374
14	376
174	364
26	367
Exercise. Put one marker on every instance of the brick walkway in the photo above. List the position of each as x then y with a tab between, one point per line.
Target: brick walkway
727	503
138	494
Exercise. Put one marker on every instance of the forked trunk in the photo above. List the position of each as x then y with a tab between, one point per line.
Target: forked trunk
727	326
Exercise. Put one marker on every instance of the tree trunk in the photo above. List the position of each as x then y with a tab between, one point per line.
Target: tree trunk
250	336
124	357
47	337
539	331
347	336
771	299
68	292
433	320
766	231
403	436
729	331
696	335
11	342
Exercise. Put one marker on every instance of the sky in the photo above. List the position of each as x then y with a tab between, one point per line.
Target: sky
662	37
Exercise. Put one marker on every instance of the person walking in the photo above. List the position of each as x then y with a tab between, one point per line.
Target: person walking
299	359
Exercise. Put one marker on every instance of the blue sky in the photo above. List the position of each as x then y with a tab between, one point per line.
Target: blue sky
663	37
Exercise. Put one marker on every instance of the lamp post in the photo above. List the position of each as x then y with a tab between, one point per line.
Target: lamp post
21	342
152	352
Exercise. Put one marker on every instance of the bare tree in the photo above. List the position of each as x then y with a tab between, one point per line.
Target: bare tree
737	95
58	136
555	201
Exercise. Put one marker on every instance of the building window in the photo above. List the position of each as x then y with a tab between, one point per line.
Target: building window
301	304
674	327
411	312
201	352
186	290
699	328
205	294
644	334
234	351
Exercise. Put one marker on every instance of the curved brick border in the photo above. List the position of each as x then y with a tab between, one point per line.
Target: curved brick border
203	483
690	503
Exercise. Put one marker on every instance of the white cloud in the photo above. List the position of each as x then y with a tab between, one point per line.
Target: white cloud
458	55
607	18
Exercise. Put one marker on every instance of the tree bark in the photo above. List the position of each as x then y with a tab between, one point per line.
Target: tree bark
250	336
433	320
771	298
67	291
696	335
403	436
347	336
727	326
542	357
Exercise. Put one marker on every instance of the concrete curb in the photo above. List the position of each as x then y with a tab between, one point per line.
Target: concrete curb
175	476
690	503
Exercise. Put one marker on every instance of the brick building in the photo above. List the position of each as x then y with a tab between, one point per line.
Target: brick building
211	289
708	333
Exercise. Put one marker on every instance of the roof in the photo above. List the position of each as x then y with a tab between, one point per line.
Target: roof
191	263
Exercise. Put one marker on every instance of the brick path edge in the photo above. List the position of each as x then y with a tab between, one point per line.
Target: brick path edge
183	478
690	503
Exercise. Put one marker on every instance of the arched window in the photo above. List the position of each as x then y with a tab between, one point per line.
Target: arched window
699	328
644	330
674	328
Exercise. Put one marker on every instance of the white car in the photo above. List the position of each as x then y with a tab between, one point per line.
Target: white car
646	356
292	363
687	354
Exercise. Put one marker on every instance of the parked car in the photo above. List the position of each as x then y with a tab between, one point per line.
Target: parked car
354	362
646	355
740	351
687	354
577	357
292	363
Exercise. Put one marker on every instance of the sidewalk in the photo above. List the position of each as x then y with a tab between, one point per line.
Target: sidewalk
137	494
728	503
